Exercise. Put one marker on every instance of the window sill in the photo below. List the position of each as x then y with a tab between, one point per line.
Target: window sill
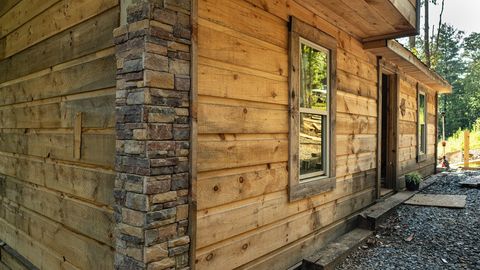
311	188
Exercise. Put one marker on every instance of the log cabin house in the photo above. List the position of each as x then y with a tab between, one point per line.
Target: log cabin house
210	134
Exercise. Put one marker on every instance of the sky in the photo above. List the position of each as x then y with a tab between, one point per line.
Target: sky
462	14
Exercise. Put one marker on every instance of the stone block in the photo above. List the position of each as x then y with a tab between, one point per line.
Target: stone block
158	79
161	185
165	16
164	197
156	252
179	241
133	65
156	62
162	264
179	181
161	115
134	147
165	214
132	217
182	83
136	98
156	48
181	132
162	234
159	131
136	201
178	250
179	67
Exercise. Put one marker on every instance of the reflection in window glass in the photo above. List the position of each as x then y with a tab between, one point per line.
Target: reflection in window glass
314	74
311	140
314	91
422	134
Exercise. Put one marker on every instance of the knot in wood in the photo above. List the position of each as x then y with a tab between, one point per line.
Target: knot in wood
209	257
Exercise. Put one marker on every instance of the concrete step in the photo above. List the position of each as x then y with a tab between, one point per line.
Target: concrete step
335	252
371	217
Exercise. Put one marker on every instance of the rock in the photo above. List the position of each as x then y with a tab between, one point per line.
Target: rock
444	238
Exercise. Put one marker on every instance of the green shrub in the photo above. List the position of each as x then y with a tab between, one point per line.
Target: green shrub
414	177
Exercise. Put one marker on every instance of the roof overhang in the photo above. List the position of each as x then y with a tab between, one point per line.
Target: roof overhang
369	20
394	52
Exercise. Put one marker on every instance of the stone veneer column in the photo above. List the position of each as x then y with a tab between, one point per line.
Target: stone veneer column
153	136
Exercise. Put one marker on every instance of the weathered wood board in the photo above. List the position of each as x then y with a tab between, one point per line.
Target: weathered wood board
472	182
57	138
448	201
243	212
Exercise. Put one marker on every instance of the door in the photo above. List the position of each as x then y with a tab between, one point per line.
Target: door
387	127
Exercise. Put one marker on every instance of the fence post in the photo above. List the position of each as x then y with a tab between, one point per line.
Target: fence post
466	148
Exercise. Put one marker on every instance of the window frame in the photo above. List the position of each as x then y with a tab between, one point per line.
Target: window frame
325	146
302	187
422	156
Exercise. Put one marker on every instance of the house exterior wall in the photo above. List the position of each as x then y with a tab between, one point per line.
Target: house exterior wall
60	82
57	138
244	217
407	154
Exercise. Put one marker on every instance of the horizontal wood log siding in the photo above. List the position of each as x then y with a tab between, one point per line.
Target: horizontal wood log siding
408	140
57	142
244	218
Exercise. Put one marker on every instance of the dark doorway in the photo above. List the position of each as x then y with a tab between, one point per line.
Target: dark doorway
386	181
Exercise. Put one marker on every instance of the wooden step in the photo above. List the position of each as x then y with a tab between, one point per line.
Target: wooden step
371	217
335	252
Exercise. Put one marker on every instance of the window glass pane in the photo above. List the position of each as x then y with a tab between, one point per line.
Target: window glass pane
421	123
422	138
314	78
311	143
421	107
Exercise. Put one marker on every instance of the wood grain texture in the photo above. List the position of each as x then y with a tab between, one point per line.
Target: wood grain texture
243	144
56	63
89	184
54	20
22	13
98	73
7	5
88	37
58	238
70	212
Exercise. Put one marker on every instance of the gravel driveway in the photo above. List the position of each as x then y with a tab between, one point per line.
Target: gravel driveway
417	237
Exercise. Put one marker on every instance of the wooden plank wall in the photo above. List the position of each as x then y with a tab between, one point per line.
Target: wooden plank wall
408	129
243	211
57	98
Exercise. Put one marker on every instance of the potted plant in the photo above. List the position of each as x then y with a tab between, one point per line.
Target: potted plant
412	180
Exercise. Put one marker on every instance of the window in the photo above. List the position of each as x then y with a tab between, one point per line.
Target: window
422	126
314	89
312	107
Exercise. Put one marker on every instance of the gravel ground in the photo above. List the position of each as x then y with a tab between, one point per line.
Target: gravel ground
417	237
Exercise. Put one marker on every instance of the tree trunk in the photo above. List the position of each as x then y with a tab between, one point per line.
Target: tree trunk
427	34
439	27
411	42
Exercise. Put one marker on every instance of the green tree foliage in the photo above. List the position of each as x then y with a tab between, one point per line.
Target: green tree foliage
314	77
448	61
457	58
472	46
